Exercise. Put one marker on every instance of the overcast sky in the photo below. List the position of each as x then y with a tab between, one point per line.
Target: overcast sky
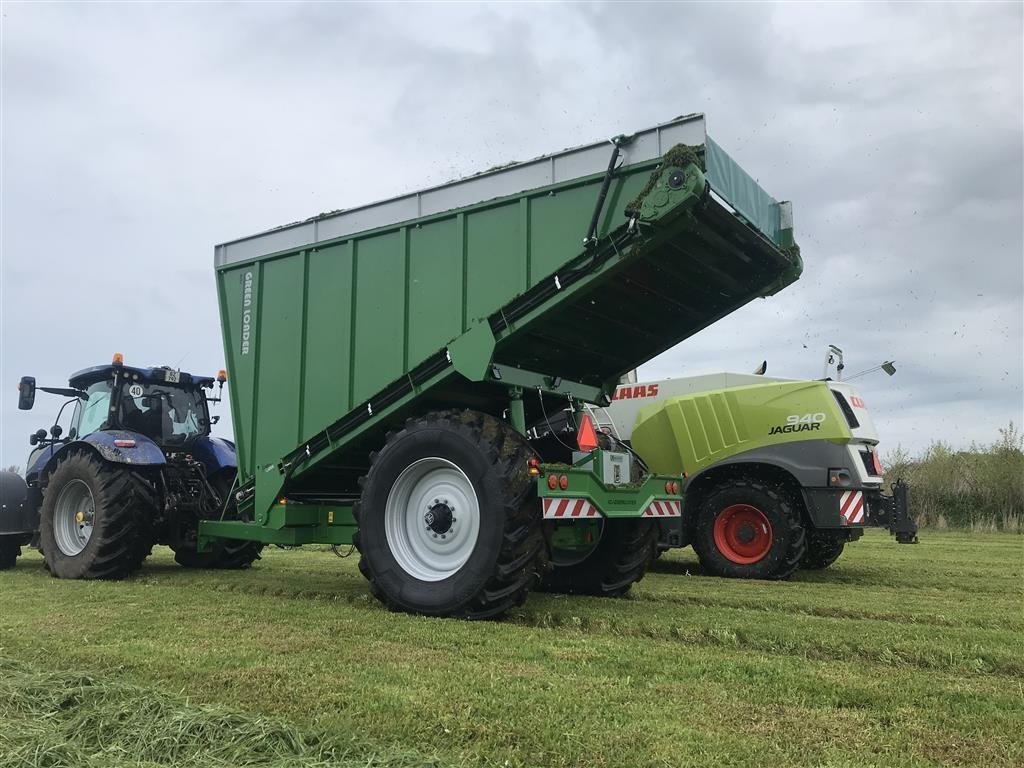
137	136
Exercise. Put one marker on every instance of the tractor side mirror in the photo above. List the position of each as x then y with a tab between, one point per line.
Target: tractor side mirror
35	437
55	431
27	393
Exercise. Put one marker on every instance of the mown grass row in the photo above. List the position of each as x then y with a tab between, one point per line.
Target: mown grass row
903	656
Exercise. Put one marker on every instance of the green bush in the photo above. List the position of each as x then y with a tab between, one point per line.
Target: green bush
980	489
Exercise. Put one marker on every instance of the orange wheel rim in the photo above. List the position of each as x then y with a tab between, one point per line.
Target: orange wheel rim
743	534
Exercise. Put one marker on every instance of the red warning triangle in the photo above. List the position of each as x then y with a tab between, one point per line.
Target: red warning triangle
586	435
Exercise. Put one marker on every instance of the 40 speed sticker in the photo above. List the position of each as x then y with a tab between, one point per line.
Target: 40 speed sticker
808	422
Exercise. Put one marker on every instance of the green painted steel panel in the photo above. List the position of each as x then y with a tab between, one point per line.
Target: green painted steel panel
328	340
379	332
280	345
435	287
495	258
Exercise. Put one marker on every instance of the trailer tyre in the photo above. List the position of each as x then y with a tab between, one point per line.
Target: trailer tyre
226	554
620	559
448	520
748	529
96	517
823	549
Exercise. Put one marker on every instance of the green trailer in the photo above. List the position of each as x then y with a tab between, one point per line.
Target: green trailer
392	364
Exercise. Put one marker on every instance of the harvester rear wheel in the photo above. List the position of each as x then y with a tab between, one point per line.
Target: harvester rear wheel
823	549
226	554
96	519
748	529
448	519
620	559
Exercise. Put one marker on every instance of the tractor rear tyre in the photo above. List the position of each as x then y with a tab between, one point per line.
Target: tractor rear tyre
448	519
225	554
749	529
621	558
96	518
823	549
10	548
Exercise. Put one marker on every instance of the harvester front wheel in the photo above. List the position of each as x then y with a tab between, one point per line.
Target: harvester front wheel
748	529
96	517
446	523
225	554
823	549
621	558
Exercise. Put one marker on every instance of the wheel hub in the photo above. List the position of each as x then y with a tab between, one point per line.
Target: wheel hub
440	517
746	533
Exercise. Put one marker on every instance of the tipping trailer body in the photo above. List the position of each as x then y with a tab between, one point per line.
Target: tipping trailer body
477	294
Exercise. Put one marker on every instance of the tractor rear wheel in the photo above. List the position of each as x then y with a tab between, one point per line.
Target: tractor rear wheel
624	551
96	519
10	548
823	549
448	519
225	554
748	529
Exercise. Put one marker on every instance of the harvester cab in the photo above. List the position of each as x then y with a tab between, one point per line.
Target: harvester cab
136	466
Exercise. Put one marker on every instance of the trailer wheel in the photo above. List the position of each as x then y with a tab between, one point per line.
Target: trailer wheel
748	529
226	554
448	524
621	558
95	519
823	549
10	549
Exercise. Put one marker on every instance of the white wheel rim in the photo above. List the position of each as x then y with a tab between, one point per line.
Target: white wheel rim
73	517
432	519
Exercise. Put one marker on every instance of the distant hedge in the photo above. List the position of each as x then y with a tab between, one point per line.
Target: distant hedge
980	489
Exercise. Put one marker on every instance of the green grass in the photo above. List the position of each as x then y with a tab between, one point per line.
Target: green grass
897	656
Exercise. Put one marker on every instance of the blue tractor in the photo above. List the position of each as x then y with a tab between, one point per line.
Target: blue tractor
137	467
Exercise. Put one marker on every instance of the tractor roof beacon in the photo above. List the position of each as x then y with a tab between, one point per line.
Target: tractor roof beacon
392	364
137	467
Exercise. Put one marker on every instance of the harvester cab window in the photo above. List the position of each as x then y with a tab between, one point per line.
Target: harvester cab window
91	415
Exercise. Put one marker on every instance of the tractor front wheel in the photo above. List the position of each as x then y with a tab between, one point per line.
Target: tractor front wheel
448	519
823	549
96	518
749	530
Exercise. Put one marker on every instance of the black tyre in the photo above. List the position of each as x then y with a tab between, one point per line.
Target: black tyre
226	554
448	519
96	519
10	549
749	529
823	549
623	554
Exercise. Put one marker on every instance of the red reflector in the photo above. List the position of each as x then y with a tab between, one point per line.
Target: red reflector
563	482
124	443
552	482
668	487
586	435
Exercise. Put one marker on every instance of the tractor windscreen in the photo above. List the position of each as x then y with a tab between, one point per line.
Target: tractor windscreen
163	413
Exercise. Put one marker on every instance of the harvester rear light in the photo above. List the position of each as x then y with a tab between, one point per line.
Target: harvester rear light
533	468
563	482
876	463
672	487
586	435
124	443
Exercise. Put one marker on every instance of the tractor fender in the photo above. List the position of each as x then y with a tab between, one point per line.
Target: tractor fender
214	453
145	453
18	515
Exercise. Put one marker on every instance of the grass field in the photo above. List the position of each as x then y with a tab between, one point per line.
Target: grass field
897	656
